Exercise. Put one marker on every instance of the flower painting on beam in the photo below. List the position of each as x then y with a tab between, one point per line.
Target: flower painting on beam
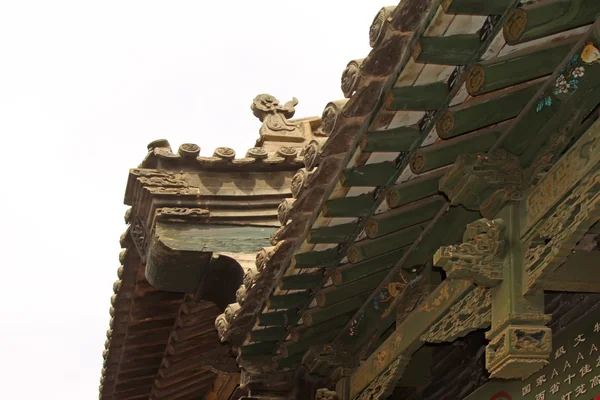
570	75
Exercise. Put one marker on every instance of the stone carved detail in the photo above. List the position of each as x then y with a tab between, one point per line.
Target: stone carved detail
275	118
473	176
326	394
250	275
159	144
181	214
351	78
287	152
241	294
263	257
299	181
221	324
383	386
190	150
518	351
283	211
480	256
140	236
311	154
474	311
377	30
550	242
258	153
225	153
331	113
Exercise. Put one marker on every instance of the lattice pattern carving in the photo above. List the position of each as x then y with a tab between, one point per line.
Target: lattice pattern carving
384	384
474	311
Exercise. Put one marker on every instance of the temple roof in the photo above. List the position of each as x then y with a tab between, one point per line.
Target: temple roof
447	88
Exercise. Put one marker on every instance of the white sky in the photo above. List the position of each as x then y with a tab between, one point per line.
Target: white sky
84	86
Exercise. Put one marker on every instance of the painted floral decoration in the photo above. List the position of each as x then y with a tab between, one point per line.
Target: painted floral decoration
568	79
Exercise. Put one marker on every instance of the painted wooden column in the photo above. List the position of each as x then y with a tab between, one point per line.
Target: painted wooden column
520	343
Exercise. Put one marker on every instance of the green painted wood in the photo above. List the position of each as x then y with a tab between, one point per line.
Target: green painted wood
356	206
303	331
286	301
278	318
423	97
289	349
518	67
314	259
335	294
403	217
368	248
332	234
373	320
446	50
377	174
444	152
275	333
350	272
559	107
256	349
317	315
287	363
485	110
405	340
301	281
396	139
414	189
476	7
546	18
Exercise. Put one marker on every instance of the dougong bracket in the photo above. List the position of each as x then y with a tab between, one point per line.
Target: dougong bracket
480	257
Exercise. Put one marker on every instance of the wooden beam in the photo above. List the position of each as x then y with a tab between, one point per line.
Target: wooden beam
515	68
485	110
405	340
403	217
289	349
285	363
537	20
286	301
275	333
368	248
350	272
259	348
424	97
369	323
444	152
277	318
377	174
446	50
476	7
300	281
414	189
332	234
578	274
560	108
335	294
315	259
303	331
355	206
317	315
396	139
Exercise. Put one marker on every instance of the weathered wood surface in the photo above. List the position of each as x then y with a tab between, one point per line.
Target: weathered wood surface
397	139
406	338
447	50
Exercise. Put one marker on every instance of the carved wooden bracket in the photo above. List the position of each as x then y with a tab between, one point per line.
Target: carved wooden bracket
479	258
484	181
